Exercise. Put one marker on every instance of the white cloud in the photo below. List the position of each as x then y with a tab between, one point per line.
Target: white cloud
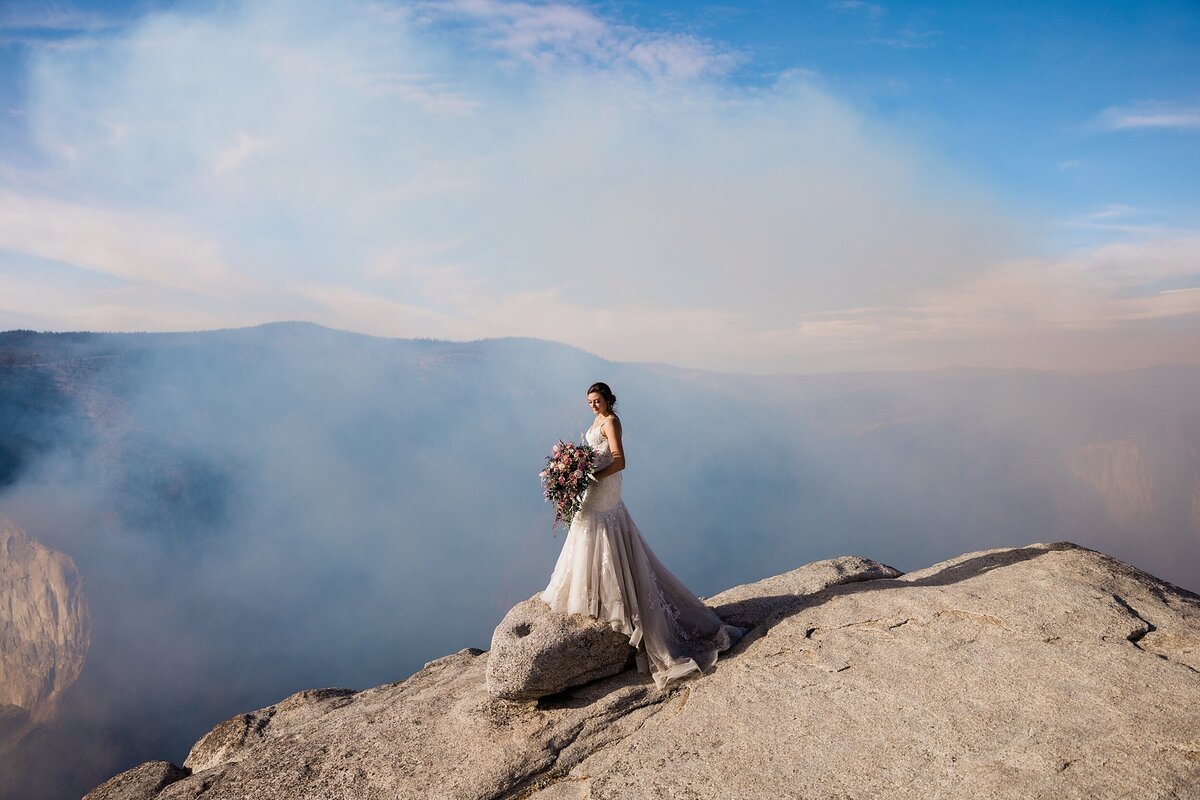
858	5
1085	311
1089	310
910	38
549	34
133	247
370	167
1149	115
1113	211
243	147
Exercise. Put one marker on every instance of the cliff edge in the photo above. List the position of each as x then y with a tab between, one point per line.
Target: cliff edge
1047	670
45	627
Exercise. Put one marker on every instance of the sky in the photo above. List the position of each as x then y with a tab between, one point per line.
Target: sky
753	187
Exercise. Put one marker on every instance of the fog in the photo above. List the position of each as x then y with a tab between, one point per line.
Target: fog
265	510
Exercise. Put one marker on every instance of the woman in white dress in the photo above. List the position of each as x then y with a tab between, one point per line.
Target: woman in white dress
607	570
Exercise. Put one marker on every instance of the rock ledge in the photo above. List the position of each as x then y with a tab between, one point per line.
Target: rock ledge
1044	671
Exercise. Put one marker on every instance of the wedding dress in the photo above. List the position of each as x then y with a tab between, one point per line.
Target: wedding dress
607	570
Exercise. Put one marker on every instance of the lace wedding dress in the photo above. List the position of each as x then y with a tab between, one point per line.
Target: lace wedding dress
607	570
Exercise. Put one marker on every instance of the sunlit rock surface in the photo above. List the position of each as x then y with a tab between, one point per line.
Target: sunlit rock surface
1042	671
536	651
45	627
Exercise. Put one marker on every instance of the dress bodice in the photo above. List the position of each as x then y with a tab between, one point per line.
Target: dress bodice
605	492
595	437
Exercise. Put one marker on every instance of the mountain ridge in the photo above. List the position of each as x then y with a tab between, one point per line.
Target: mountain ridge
15	336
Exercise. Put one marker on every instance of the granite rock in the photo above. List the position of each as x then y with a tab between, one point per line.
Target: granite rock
230	738
1044	671
762	602
45	623
536	651
143	782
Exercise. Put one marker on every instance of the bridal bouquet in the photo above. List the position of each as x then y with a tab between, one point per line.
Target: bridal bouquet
570	469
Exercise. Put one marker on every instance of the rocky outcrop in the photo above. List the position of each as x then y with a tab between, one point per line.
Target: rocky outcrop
753	604
536	651
45	625
1041	671
145	780
226	742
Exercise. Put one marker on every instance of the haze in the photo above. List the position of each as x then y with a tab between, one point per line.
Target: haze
256	512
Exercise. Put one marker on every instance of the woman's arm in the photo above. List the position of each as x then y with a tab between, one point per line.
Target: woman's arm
612	431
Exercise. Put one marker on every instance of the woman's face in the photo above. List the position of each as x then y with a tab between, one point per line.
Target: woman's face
596	401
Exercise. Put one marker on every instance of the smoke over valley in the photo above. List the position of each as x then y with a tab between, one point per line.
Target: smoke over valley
256	511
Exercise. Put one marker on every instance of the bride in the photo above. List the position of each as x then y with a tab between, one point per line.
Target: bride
607	570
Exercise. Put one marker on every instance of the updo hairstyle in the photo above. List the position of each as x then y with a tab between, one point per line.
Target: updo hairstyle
605	392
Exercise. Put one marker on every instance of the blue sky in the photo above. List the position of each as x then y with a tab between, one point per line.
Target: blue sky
760	186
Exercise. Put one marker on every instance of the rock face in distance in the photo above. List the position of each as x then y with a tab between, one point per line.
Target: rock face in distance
1045	671
45	625
536	651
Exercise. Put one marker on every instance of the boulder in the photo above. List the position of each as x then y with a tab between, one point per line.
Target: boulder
143	782
537	652
229	739
195	785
